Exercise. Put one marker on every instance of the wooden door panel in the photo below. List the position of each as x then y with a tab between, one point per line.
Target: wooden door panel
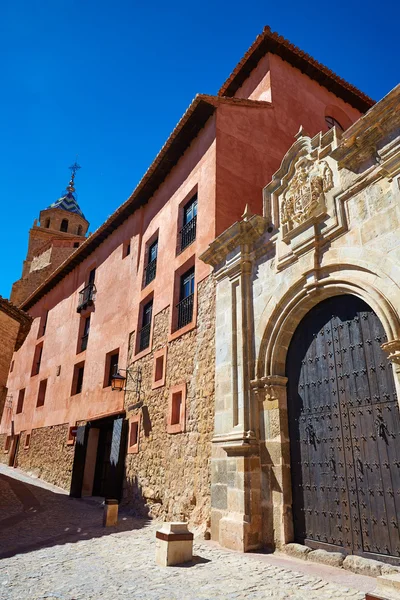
344	426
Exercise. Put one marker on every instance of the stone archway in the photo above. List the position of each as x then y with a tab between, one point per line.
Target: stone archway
271	387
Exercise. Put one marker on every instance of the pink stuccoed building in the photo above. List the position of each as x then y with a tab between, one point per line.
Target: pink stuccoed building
134	299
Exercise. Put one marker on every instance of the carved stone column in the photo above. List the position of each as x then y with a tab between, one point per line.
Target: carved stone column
276	489
235	465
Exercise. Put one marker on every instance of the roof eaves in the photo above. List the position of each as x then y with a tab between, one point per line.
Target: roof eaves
269	41
185	131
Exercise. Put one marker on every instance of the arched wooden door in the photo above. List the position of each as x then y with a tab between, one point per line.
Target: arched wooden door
344	431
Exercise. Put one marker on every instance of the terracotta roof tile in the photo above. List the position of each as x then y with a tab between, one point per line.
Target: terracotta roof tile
270	41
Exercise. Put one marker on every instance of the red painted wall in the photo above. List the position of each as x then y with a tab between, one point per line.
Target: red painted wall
251	142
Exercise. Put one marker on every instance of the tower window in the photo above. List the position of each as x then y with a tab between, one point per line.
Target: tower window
64	225
47	223
79	230
331	122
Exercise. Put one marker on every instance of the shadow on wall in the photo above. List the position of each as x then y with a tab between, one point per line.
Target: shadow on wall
34	518
133	499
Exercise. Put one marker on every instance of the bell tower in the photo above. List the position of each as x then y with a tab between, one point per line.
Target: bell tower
61	229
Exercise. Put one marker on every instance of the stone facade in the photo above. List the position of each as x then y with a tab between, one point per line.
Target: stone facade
169	477
330	226
48	455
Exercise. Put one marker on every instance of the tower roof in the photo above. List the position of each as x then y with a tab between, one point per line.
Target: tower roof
68	200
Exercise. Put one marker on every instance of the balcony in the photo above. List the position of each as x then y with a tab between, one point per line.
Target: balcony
144	337
150	272
188	233
86	297
185	311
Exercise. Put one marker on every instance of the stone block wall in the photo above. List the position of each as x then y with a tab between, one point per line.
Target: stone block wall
3	455
48	456
169	477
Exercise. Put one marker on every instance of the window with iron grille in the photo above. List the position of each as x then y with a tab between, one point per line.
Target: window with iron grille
186	295
188	231
85	334
150	271
144	334
86	296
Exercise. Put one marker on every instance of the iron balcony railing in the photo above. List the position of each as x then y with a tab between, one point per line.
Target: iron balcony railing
150	271
144	337
185	311
84	341
86	297
188	233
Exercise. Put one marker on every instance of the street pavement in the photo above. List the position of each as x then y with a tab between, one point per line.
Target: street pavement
54	547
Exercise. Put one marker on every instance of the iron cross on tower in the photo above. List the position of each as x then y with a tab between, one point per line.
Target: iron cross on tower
74	168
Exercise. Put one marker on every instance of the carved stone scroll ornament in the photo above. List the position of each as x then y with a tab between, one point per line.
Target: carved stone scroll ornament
305	193
393	350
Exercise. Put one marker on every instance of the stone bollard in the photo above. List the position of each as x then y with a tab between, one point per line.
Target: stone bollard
110	515
174	544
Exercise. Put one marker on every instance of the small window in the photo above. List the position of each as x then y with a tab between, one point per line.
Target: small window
111	367
64	225
77	380
76	244
188	231
37	359
134	431
27	441
92	276
47	223
331	122
126	249
144	333
159	367
186	298
43	323
72	429
177	409
7	443
12	366
41	393
79	230
20	403
85	334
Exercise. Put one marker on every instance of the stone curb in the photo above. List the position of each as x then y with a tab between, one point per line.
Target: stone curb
355	564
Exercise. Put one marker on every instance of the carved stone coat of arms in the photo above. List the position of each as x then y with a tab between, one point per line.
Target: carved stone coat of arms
305	194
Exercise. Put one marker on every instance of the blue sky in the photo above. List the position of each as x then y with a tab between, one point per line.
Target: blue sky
109	81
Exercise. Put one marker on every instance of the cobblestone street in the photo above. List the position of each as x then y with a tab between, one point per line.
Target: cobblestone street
53	546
